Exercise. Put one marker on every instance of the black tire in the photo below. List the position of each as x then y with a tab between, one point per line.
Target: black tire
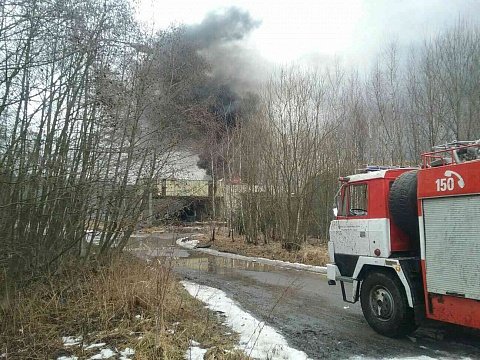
402	203
385	305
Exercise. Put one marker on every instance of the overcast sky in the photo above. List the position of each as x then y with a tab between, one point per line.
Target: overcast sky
353	30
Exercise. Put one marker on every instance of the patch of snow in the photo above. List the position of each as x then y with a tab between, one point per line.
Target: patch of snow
194	343
66	358
191	244
71	340
257	339
93	346
195	353
346	307
104	354
422	357
187	243
127	353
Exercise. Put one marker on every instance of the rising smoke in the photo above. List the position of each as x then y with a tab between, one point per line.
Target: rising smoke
234	73
222	27
223	76
221	39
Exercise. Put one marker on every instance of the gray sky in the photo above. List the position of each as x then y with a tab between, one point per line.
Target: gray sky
310	30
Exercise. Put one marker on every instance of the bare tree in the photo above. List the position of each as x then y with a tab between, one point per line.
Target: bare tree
77	153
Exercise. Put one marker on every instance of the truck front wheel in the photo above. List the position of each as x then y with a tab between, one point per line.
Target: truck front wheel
385	305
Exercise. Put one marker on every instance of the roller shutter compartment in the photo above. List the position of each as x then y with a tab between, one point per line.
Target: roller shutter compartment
452	245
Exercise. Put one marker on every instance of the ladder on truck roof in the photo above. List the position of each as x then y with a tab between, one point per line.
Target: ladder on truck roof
455	152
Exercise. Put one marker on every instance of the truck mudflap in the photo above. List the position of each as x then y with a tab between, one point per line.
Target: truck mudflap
412	270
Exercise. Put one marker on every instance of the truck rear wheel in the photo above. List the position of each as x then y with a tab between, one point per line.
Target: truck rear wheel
385	305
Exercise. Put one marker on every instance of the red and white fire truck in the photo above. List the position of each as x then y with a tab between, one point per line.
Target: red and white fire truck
408	241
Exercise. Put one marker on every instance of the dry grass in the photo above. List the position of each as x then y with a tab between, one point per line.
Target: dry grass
310	254
125	303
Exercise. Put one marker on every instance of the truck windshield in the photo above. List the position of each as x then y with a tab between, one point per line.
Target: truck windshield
352	200
358	200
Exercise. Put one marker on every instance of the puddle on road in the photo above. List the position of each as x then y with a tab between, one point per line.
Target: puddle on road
153	240
149	246
220	265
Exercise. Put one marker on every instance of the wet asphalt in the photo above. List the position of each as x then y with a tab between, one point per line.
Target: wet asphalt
304	308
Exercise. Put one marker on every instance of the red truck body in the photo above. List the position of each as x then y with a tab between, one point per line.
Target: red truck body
408	240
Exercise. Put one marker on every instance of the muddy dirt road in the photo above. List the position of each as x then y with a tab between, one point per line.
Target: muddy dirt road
306	310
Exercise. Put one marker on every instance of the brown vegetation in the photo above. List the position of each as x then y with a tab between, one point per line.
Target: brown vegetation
123	303
313	252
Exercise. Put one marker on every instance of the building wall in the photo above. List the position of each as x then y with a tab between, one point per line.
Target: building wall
184	188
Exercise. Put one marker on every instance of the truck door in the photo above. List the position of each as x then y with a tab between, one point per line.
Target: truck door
349	231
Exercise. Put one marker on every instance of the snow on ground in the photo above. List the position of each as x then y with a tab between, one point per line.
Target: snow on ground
195	352
423	357
105	353
188	243
93	346
127	353
71	340
257	339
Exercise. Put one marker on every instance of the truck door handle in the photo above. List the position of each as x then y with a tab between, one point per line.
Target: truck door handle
363	234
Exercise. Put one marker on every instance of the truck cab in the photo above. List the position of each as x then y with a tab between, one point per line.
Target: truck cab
362	226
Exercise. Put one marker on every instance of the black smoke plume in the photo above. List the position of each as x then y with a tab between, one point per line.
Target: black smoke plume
219	39
222	27
229	89
208	78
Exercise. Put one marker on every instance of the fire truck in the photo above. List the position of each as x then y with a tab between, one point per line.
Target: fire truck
407	241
